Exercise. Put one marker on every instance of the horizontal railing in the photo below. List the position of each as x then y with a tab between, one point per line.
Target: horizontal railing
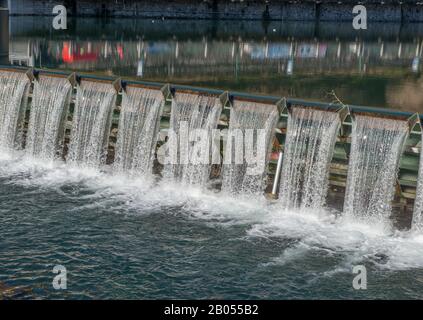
232	94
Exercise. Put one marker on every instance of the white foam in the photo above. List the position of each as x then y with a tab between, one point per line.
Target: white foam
352	241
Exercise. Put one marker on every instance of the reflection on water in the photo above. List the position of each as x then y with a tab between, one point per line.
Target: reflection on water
379	67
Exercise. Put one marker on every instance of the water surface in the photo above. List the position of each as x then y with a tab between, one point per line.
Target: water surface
122	237
380	66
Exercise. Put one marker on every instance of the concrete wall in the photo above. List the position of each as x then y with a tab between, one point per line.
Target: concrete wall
329	10
4	36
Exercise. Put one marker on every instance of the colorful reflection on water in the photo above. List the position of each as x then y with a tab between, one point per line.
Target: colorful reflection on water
379	67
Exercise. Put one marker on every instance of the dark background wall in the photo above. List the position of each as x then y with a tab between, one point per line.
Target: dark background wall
329	10
4	33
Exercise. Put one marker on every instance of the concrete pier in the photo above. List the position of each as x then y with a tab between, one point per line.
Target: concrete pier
4	32
280	10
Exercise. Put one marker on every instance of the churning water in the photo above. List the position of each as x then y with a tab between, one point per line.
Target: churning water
134	238
139	124
310	141
13	89
49	107
91	123
247	148
376	147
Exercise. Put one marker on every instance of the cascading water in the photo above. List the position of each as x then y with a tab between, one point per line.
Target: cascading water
417	223
49	107
309	146
192	121
14	87
91	123
376	147
139	124
250	134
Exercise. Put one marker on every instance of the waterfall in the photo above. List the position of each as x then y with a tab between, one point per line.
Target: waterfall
91	123
250	134
139	124
417	223
49	107
14	88
376	147
193	119
309	146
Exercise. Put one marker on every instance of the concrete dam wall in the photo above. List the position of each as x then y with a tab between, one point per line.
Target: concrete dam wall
307	10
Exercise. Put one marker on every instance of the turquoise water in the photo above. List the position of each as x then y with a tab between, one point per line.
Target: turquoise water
121	237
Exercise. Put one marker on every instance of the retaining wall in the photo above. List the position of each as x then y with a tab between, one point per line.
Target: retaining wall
330	10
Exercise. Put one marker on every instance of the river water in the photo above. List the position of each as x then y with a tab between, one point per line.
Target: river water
380	66
121	237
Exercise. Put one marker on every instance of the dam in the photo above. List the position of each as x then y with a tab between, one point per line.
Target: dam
203	152
309	150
